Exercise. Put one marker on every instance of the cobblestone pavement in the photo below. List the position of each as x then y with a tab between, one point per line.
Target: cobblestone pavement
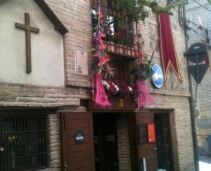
204	163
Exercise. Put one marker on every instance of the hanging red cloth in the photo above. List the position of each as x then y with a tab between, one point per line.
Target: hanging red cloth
168	53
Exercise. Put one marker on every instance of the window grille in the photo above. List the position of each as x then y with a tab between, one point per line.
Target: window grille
119	37
23	143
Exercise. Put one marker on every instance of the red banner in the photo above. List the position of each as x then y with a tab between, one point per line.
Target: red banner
168	53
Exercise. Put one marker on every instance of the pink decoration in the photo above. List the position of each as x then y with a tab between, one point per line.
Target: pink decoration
144	97
137	53
109	69
103	46
100	14
99	96
97	55
104	60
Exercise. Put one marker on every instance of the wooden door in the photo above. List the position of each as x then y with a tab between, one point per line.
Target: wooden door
146	150
77	156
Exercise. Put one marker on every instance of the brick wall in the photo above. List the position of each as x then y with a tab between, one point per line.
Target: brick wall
172	96
38	96
54	138
181	132
123	144
76	17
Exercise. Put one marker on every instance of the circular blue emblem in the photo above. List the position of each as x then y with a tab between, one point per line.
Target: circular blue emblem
157	77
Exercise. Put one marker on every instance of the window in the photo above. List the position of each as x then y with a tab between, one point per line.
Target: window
114	29
23	143
122	73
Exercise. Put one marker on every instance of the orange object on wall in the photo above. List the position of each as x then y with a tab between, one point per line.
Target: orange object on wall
151	132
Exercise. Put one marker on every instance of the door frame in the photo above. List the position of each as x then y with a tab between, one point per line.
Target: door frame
169	114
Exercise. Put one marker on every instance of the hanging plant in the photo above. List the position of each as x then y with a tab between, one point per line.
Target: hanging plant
102	88
135	10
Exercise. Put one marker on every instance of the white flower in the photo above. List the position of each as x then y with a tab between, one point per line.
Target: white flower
106	84
129	88
116	87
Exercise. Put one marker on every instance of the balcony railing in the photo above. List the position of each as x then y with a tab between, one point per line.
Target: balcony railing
119	37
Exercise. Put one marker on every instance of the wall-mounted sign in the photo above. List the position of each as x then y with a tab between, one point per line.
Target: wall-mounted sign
157	78
79	137
151	133
81	62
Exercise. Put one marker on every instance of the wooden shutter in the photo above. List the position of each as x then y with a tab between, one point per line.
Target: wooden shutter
75	156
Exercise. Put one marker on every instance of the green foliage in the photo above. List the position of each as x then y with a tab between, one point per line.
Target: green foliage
166	9
142	72
135	10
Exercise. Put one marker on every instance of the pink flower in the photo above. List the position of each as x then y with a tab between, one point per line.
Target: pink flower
137	53
110	31
97	55
101	34
116	34
100	14
103	46
109	69
105	59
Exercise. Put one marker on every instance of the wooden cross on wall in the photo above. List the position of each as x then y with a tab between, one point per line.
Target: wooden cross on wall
28	29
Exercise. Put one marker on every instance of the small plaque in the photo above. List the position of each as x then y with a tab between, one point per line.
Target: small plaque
79	137
81	62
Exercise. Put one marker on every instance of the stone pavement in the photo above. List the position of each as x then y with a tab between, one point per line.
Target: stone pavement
204	163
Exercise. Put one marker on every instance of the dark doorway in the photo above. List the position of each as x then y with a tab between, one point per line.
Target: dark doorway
163	142
105	143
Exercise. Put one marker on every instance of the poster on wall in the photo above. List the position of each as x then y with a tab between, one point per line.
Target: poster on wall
81	62
151	133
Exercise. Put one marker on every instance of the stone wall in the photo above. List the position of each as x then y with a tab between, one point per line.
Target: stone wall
193	12
202	94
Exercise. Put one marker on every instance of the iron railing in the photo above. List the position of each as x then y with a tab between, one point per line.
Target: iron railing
23	143
119	35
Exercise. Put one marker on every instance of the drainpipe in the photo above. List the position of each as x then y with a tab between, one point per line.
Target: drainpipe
191	101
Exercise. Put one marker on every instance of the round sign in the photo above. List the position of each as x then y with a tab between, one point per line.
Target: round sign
79	137
157	77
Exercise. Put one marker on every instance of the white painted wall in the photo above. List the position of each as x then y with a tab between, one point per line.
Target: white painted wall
46	46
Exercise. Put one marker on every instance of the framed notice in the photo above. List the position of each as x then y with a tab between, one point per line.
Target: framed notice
81	62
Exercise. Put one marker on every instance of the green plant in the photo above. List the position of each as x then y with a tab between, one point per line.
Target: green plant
142	72
135	10
119	40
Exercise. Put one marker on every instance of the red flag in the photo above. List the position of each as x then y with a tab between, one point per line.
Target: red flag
168	53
